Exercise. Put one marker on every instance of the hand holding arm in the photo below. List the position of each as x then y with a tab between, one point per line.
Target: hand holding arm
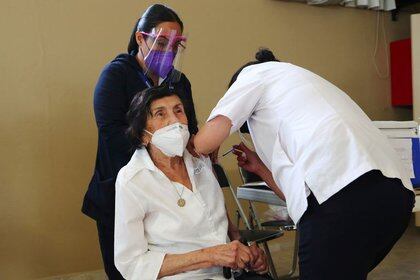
260	260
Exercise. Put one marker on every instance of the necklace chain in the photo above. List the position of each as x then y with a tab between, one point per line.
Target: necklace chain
181	201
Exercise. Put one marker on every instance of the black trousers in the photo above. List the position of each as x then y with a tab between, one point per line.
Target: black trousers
106	241
348	235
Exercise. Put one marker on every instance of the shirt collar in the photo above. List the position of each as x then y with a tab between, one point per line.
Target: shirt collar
144	161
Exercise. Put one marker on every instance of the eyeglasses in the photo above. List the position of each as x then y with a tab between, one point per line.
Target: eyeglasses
164	42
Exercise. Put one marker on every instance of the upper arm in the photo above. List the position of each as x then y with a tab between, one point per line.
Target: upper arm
110	100
111	106
240	100
235	107
189	102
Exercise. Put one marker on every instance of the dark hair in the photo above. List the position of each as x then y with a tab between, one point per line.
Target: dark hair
262	55
152	17
140	109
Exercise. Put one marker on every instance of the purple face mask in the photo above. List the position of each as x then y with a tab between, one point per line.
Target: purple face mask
160	62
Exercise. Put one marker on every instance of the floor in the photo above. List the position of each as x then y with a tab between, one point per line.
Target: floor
402	263
91	275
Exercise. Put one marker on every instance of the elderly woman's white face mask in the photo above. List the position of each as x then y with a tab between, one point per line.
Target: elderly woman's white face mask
171	140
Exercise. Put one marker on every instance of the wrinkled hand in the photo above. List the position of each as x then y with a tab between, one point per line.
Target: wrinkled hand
234	255
260	260
247	159
190	147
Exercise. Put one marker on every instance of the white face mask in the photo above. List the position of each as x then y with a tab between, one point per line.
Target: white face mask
172	139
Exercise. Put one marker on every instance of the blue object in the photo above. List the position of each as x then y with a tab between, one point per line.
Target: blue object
416	162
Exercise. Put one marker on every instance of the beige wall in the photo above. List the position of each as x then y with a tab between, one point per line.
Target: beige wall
52	52
415	51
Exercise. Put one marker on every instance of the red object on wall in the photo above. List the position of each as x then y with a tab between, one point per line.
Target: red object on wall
401	73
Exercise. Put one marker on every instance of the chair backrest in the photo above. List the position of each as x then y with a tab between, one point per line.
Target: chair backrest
225	183
244	128
221	175
249	177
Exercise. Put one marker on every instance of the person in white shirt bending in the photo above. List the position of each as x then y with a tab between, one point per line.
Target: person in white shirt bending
170	216
344	186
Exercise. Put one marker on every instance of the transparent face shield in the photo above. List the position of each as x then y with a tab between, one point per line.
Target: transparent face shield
165	48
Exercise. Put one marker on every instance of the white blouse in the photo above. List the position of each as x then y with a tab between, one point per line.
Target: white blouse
149	223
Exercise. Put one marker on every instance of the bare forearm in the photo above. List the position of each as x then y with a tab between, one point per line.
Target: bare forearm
233	230
267	177
178	263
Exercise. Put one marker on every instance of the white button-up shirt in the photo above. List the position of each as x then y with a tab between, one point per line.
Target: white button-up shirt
306	131
149	223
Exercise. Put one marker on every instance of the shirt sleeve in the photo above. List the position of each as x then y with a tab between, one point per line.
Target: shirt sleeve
240	100
110	107
131	255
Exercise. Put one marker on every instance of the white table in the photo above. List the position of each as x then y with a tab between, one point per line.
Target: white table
259	192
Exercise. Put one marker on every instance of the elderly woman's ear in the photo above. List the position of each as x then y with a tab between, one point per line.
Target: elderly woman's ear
145	139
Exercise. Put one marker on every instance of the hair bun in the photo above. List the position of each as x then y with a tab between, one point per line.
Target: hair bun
264	55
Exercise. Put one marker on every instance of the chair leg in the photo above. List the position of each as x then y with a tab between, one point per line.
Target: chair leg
238	218
270	262
295	255
254	214
292	271
251	216
240	209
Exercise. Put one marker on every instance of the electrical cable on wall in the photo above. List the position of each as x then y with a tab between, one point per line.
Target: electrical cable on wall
379	16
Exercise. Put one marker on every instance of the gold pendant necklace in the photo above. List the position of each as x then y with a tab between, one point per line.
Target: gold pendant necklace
181	202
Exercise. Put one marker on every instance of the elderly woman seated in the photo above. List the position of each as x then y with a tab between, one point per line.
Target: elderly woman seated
170	217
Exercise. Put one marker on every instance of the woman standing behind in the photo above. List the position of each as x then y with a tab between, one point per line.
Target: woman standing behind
154	42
